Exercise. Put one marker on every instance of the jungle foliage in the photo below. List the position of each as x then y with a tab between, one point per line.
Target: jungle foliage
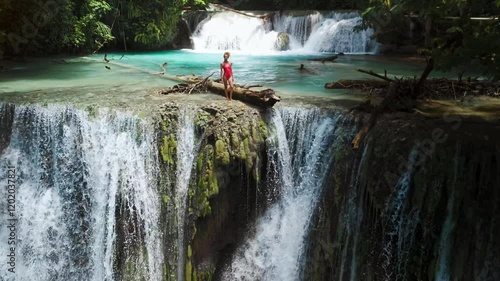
38	27
453	35
457	33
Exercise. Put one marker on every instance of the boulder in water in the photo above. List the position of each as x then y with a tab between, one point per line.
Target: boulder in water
282	42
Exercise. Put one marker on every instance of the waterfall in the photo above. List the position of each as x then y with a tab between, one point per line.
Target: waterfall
335	34
446	240
302	150
299	27
186	153
315	32
230	31
74	173
353	218
401	224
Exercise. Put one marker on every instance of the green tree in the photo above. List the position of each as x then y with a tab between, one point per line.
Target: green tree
84	26
149	24
89	31
53	26
454	37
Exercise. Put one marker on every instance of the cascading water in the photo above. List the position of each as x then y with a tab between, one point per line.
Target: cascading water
74	173
401	224
230	31
316	32
299	27
186	153
352	219
335	34
443	271
302	151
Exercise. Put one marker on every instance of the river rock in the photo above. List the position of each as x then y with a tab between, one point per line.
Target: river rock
282	42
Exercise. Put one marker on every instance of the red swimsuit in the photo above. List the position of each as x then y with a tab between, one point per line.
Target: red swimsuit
228	71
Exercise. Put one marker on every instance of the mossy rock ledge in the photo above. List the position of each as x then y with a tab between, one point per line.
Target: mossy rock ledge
230	144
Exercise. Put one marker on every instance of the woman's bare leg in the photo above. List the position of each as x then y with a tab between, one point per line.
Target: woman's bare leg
231	88
225	87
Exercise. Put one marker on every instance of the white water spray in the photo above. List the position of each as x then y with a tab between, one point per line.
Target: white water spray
316	32
400	228
230	31
186	152
336	34
275	251
71	170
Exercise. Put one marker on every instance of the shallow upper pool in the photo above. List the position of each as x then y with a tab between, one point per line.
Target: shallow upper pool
279	70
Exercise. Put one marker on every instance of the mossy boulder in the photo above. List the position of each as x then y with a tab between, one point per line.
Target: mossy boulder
282	42
237	133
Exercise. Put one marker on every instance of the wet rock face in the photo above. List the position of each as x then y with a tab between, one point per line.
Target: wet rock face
182	39
228	165
6	119
235	133
409	206
419	201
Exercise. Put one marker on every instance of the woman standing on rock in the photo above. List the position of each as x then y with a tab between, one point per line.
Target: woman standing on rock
227	76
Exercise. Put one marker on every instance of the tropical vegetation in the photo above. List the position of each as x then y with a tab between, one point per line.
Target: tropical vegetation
455	33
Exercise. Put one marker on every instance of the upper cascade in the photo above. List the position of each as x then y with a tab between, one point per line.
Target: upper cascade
307	33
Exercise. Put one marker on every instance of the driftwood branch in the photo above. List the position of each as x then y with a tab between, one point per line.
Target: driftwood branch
264	16
201	85
163	68
369	72
392	93
417	91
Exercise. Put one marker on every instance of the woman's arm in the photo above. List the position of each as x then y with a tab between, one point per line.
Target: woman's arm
221	71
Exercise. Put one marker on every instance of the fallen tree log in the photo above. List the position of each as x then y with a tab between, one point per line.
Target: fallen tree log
264	98
192	83
353	84
325	59
249	86
246	86
264	16
370	72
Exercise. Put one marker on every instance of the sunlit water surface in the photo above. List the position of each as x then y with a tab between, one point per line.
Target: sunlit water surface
278	70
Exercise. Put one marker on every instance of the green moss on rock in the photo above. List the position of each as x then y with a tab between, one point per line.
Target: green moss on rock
235	141
207	180
221	152
168	275
205	276
168	149
189	270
